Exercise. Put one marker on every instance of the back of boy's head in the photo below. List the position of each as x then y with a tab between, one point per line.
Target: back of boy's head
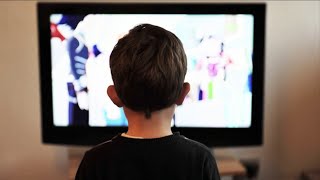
148	67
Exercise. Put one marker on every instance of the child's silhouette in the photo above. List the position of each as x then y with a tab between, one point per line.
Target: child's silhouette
148	67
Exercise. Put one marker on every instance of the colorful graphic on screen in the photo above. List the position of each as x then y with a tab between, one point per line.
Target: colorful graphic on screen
219	51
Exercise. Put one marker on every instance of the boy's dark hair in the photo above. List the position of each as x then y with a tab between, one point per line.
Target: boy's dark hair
148	67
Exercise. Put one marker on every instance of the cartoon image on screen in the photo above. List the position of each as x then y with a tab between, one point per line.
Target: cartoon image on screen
219	51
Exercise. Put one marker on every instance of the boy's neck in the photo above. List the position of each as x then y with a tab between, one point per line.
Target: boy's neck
159	125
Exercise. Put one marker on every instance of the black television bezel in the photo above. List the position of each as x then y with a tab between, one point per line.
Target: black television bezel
217	137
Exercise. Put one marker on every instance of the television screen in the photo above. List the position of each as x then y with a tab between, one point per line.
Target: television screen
225	63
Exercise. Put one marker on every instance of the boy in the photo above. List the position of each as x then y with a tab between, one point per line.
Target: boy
148	68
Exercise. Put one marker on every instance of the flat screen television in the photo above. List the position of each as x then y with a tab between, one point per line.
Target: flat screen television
225	46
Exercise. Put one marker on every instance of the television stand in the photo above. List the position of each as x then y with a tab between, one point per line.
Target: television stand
231	167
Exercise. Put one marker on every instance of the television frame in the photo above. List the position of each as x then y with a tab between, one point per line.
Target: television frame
212	137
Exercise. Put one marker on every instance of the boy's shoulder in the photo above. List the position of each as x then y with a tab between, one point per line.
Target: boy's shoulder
198	148
176	142
104	146
196	144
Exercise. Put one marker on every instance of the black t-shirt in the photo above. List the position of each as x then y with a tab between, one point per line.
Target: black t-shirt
171	157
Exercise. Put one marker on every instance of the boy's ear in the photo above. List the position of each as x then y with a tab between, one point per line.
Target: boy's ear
184	91
111	91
